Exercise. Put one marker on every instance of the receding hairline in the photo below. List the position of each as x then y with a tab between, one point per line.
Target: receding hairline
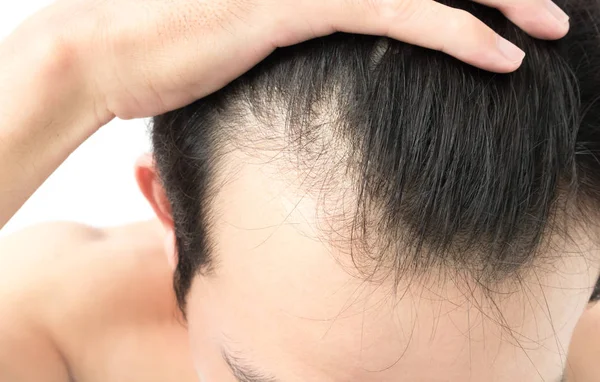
302	71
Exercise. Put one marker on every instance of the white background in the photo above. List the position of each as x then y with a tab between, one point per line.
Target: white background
96	184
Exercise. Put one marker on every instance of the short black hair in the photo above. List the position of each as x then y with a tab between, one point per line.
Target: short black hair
453	167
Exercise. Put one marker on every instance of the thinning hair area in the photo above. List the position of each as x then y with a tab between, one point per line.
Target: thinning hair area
420	163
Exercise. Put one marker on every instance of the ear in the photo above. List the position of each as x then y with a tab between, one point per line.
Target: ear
152	188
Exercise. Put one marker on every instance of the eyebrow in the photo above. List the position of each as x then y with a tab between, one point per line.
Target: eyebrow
243	371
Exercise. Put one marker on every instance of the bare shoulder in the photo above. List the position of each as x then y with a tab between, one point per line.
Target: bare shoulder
48	253
48	236
74	266
30	257
24	256
66	285
46	239
56	246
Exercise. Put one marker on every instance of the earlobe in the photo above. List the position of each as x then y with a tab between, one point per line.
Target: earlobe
150	185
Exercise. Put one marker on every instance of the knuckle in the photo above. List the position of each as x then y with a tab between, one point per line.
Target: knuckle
462	23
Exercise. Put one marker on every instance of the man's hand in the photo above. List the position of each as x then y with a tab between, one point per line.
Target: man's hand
147	57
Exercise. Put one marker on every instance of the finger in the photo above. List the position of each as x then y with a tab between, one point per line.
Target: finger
540	18
428	24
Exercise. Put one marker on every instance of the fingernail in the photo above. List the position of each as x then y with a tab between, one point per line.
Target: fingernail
512	52
558	13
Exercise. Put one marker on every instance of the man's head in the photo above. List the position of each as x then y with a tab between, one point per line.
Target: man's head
359	209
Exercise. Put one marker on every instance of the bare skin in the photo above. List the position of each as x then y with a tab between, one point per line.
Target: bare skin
90	304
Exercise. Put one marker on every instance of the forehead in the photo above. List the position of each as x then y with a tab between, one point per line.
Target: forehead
289	302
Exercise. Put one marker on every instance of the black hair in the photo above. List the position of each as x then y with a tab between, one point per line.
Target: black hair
452	166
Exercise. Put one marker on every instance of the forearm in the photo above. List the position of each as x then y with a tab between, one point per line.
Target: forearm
46	110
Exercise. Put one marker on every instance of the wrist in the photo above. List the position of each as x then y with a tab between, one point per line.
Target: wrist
44	62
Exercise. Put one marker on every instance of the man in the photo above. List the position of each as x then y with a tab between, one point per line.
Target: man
359	209
299	253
